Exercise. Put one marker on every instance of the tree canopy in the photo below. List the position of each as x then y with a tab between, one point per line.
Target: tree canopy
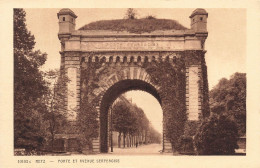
131	13
130	119
55	116
29	86
121	122
229	97
217	135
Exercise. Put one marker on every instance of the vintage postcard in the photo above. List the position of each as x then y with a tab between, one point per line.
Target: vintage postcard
163	84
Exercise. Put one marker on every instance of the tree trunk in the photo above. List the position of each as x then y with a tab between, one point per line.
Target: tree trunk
52	136
133	144
124	139
145	137
119	140
127	140
52	142
173	149
134	140
130	140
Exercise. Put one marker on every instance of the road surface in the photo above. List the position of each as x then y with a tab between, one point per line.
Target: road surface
151	149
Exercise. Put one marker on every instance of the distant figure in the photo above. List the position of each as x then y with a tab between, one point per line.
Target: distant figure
136	144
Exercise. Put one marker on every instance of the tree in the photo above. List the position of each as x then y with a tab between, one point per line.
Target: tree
122	119
131	13
54	99
217	135
154	136
132	122
142	123
229	96
29	87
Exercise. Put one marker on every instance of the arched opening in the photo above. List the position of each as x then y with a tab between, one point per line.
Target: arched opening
144	126
111	95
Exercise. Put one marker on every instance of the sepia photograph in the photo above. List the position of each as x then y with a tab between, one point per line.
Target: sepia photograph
154	85
129	82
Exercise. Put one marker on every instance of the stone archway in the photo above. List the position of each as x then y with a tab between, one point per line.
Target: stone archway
121	57
111	94
121	72
122	76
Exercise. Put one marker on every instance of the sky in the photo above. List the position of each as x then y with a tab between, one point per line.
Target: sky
225	45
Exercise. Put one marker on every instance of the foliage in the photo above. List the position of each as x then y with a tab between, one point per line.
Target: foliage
29	87
186	140
142	120
186	145
88	125
229	96
171	80
205	109
150	17
217	135
155	136
136	122
191	128
120	121
134	25
54	99
131	14
88	114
